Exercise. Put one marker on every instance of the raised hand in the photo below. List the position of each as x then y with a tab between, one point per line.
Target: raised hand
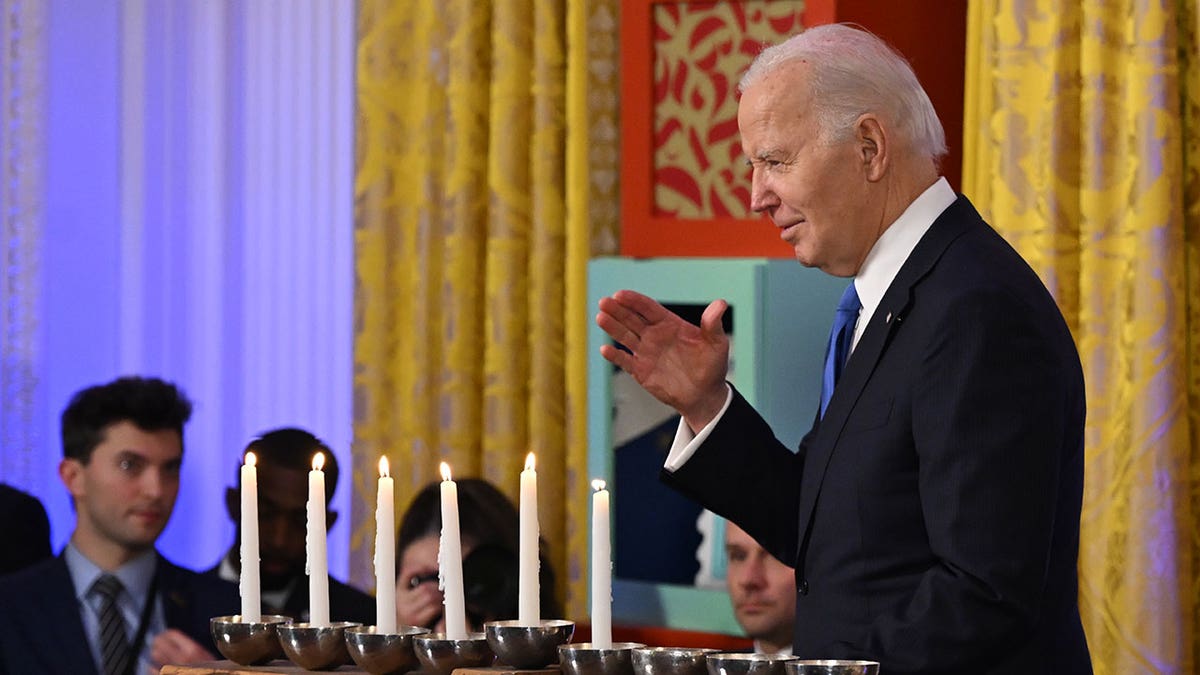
682	365
418	600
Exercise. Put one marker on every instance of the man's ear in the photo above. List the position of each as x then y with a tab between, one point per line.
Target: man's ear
873	146
330	518
233	504
70	472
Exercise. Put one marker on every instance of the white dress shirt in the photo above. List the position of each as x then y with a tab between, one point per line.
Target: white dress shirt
878	270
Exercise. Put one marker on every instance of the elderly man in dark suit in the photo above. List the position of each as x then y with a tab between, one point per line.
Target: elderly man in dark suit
110	604
932	511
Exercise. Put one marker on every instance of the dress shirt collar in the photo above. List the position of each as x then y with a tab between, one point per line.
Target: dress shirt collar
760	649
134	575
893	247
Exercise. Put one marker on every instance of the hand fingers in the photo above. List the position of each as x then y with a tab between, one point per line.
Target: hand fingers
427	615
419	615
710	321
621	359
647	308
172	646
420	605
623	314
617	330
163	647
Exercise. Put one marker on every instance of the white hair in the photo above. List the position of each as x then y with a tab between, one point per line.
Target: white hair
855	72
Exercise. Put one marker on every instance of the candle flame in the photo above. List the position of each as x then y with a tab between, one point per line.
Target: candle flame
318	461
251	460
597	485
529	464
445	471
383	467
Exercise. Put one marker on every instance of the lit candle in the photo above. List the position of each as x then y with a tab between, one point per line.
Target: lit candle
527	577
450	575
317	566
249	586
385	553
601	570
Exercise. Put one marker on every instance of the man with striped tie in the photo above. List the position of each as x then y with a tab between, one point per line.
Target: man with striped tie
109	603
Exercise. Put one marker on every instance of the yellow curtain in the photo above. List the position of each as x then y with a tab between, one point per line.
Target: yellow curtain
1082	148
486	164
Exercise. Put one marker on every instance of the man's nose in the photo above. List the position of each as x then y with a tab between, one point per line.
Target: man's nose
753	575
274	532
761	196
153	483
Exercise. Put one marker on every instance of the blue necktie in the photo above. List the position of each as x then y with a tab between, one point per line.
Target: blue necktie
840	337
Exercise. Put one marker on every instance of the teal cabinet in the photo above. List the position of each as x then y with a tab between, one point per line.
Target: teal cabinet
669	558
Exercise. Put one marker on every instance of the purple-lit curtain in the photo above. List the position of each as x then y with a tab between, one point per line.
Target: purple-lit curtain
197	225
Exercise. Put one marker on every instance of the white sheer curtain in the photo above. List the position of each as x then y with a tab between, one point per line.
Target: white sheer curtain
22	178
199	227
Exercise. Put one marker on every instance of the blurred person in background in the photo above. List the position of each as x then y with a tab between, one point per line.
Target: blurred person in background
24	529
110	603
762	591
284	458
490	528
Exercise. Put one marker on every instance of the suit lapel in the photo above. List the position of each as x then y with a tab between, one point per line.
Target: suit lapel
178	601
175	602
885	322
57	628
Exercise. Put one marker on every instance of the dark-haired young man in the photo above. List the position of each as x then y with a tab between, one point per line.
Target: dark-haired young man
109	603
284	458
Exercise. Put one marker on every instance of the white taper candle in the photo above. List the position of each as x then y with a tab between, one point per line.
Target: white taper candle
450	575
318	563
385	552
601	569
249	583
528	591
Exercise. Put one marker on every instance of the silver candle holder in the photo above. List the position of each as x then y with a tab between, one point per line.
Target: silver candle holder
316	647
734	663
586	658
526	647
248	643
670	660
831	667
384	653
442	655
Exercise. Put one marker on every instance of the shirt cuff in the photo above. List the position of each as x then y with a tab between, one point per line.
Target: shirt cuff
686	443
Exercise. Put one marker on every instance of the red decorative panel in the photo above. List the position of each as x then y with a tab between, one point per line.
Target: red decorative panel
700	51
684	185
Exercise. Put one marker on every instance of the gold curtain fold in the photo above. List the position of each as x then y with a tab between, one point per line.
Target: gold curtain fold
1081	147
486	163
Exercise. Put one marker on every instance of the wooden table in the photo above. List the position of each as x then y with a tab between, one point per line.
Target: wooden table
282	666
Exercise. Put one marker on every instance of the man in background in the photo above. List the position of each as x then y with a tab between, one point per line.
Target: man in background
110	603
284	459
762	590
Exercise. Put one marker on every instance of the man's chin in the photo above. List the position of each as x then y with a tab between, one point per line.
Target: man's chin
142	539
804	256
